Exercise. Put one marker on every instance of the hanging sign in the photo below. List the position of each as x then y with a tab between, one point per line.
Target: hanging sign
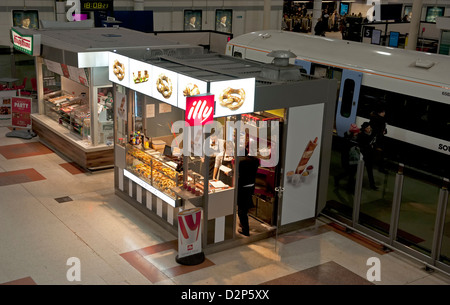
28	44
21	112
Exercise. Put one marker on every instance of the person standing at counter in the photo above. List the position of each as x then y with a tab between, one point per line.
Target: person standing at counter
248	166
225	163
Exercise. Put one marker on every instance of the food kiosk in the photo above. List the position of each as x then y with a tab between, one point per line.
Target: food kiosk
176	117
74	94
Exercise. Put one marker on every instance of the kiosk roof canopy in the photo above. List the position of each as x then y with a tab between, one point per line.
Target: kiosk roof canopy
217	67
98	39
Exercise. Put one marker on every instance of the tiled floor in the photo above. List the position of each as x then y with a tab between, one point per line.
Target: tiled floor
52	212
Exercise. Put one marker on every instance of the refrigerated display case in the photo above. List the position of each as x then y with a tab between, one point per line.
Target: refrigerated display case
151	166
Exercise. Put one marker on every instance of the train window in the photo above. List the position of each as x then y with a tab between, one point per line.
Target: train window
347	97
237	54
407	112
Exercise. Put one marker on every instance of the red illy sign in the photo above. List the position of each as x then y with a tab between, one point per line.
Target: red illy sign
199	109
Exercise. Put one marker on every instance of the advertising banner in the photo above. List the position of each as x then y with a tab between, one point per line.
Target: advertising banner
189	232
21	112
300	179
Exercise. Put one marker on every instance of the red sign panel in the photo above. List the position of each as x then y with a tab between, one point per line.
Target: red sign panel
189	232
199	109
21	112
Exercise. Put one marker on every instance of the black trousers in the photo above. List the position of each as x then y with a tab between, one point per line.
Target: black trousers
245	203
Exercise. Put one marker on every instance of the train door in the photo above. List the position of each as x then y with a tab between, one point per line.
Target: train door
348	100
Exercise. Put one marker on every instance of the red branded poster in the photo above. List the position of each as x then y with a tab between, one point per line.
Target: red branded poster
189	232
21	112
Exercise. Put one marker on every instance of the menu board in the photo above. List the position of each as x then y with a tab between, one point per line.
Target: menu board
234	97
165	86
142	77
188	86
119	69
79	75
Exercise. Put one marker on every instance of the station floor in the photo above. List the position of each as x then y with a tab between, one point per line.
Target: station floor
52	212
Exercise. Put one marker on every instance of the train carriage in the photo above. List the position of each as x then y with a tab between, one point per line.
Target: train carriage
414	88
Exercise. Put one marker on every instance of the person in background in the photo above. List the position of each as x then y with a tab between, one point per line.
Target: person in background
226	159
366	142
248	166
349	158
378	124
319	28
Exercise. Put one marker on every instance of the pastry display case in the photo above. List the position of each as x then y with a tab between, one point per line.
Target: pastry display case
65	109
150	166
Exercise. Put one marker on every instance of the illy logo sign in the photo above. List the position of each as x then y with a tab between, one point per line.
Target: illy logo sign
199	109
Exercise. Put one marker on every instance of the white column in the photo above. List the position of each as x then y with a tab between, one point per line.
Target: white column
414	25
266	17
317	13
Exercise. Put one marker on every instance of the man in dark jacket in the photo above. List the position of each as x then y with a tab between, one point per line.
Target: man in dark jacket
248	166
378	124
366	141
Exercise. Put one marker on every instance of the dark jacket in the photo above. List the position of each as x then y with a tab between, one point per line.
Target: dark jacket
366	143
248	166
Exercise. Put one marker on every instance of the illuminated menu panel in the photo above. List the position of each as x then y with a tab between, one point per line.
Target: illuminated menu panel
165	85
234	96
119	69
188	86
141	77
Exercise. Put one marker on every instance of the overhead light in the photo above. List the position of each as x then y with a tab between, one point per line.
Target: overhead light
383	53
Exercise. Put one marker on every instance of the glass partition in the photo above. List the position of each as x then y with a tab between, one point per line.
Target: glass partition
420	196
376	205
445	246
341	186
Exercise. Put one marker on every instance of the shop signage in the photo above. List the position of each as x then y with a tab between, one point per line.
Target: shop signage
189	86
233	96
165	86
21	112
189	232
199	110
119	69
142	77
28	44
